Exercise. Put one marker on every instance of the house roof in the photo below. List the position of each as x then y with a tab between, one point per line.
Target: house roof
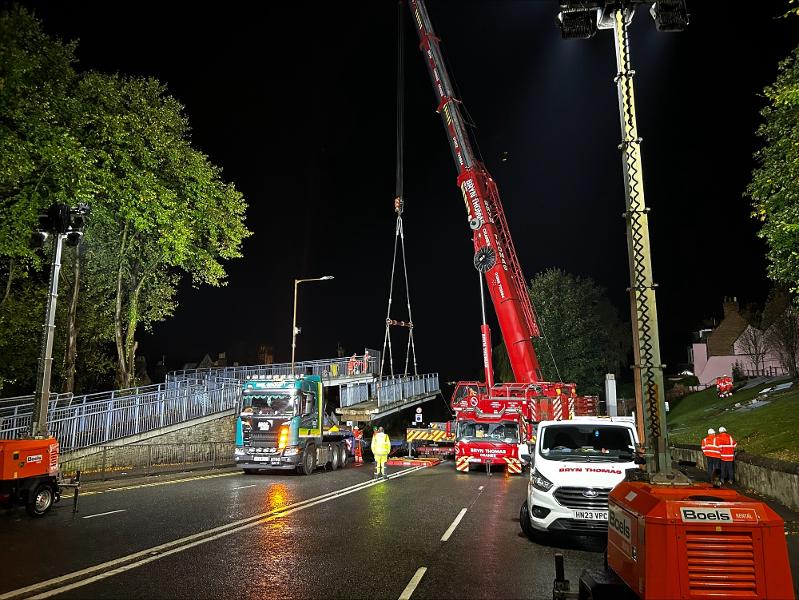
721	341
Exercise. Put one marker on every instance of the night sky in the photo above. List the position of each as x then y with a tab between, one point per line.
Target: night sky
296	102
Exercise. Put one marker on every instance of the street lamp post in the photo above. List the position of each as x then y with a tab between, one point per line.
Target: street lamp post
294	329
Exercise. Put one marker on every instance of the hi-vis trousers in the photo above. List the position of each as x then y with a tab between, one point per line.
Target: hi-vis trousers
380	469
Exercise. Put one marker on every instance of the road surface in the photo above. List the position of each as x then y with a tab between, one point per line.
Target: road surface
425	533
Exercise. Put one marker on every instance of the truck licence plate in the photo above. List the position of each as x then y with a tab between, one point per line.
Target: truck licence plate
260	458
591	515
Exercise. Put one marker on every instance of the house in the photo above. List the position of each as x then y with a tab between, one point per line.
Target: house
716	351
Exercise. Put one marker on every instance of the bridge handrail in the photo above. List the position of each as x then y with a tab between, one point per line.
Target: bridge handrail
88	423
330	368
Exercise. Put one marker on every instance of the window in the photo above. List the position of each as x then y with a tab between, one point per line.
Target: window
310	411
572	441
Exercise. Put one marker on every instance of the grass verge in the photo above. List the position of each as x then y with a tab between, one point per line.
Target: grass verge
770	430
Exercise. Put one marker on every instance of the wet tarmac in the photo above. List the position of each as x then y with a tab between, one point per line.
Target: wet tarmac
330	535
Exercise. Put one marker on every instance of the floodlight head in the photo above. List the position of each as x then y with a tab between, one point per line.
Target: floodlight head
74	238
38	238
669	15
577	23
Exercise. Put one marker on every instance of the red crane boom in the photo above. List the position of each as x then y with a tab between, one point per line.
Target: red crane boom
492	240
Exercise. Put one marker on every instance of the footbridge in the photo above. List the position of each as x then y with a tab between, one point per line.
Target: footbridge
355	392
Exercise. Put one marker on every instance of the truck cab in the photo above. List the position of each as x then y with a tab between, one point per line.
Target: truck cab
574	466
281	425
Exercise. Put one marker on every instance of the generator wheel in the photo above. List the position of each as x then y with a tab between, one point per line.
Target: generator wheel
41	500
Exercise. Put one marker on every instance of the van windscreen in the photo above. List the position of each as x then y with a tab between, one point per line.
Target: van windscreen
573	441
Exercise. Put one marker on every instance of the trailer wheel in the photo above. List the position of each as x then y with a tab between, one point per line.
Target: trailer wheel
40	501
335	457
308	461
524	521
342	462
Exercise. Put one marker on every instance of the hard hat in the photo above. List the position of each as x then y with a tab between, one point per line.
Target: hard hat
711	431
722	430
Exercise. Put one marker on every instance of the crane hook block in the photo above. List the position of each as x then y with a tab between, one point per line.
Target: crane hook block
485	259
475	224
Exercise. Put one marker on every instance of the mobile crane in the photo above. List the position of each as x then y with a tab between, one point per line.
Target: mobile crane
494	421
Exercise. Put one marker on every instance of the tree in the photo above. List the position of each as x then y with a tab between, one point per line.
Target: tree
774	189
584	337
781	329
160	207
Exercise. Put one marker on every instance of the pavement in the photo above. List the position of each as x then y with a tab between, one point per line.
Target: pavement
424	533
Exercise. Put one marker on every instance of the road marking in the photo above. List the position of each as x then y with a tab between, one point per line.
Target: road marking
76	579
157	483
241	487
110	512
409	589
452	527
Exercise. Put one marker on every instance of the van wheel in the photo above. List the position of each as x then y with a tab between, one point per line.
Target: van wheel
524	521
40	501
334	457
308	461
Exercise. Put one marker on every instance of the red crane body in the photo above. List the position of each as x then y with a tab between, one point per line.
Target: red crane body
506	283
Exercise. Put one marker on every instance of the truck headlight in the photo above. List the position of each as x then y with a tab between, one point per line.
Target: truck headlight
239	452
540	482
290	451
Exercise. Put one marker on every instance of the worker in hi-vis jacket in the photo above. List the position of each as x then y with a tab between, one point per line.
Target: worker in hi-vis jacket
381	444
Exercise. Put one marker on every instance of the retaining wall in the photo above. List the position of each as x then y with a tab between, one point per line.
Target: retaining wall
203	442
776	479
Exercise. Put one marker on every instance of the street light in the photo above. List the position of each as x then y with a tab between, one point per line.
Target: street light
294	329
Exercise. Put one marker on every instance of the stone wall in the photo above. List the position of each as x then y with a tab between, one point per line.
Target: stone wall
201	443
775	479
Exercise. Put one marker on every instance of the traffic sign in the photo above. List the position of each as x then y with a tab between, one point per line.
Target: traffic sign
419	418
418	410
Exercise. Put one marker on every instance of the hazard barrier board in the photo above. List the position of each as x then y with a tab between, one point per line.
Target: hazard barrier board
429	435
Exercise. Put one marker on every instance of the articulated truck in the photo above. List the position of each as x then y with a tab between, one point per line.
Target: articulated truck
281	425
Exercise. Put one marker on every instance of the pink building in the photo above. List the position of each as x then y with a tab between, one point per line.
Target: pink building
715	351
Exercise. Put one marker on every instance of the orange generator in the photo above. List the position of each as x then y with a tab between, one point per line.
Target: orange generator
696	541
29	474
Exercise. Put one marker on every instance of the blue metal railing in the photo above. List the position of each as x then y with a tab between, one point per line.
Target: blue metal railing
80	422
328	369
95	419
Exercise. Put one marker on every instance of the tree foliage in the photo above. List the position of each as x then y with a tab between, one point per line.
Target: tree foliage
160	210
584	337
774	188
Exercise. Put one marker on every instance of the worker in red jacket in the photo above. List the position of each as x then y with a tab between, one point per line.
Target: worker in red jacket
712	454
726	444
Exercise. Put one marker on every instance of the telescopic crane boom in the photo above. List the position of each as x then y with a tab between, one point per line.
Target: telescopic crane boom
495	255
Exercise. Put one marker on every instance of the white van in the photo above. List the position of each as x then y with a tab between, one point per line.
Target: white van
574	466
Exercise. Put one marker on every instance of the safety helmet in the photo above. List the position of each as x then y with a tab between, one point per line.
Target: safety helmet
711	431
722	430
